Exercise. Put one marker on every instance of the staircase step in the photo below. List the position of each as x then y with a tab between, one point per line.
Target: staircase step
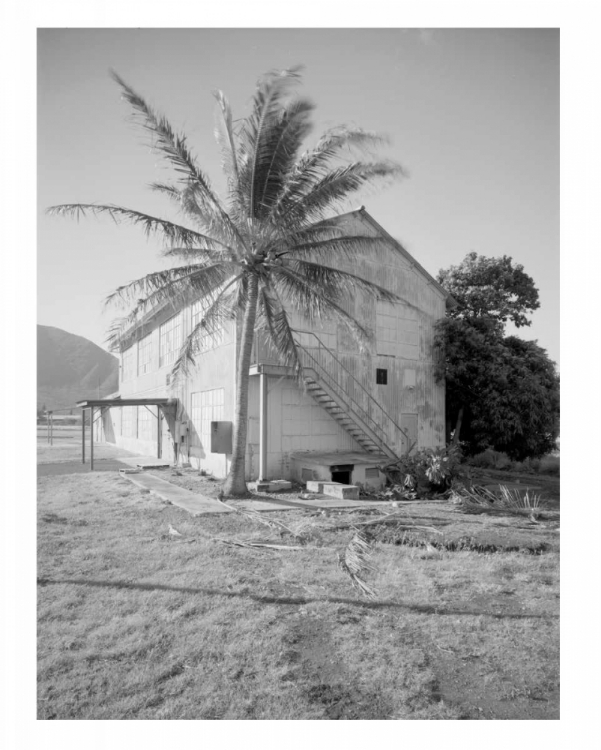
342	416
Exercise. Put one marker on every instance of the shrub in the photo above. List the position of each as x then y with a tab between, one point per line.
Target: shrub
427	471
527	466
549	465
490	459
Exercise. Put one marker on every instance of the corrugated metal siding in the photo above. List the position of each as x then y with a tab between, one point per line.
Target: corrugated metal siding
414	323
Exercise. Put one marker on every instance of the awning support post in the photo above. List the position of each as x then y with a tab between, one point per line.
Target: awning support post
158	431
91	438
262	427
83	436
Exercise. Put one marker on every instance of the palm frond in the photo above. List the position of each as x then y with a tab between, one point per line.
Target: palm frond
356	562
175	149
273	318
224	134
279	150
267	106
115	333
175	286
151	225
314	165
335	187
171	191
347	283
350	247
221	308
316	305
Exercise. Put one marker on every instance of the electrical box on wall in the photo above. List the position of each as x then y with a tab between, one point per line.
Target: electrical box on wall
221	437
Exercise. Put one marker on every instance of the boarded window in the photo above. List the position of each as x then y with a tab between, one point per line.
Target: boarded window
170	340
307	475
372	473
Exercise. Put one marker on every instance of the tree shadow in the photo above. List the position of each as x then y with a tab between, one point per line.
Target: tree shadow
291	600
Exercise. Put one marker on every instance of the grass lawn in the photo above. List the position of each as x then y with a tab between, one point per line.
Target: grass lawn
135	623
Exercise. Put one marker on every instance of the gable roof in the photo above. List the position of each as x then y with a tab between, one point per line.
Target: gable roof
366	217
163	312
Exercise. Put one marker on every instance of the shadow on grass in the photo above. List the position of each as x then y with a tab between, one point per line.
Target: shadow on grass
270	599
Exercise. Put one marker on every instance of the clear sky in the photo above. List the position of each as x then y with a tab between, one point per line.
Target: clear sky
473	115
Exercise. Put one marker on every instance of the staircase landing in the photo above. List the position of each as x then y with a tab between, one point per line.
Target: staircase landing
333	458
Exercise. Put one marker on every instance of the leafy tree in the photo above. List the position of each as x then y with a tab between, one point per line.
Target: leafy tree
270	246
492	288
501	392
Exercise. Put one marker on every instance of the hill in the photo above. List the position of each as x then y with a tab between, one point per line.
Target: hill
71	368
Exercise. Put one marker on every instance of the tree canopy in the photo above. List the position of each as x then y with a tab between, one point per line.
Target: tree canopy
271	245
502	392
493	288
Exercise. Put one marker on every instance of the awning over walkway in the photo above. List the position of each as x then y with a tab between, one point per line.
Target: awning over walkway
162	404
92	403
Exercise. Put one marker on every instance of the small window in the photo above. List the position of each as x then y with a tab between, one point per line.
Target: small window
373	473
381	376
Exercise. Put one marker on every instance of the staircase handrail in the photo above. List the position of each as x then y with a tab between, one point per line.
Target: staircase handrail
354	379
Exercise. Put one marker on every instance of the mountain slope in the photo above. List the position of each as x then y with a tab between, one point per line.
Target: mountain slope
71	368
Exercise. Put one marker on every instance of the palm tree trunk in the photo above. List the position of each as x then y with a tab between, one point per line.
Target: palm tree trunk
458	426
235	484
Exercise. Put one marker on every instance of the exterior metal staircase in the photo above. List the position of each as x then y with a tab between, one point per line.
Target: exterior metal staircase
336	390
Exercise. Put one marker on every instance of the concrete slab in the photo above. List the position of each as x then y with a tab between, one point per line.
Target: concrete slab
343	491
323	502
200	504
145	462
193	503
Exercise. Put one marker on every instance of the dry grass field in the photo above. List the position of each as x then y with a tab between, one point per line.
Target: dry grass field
136	623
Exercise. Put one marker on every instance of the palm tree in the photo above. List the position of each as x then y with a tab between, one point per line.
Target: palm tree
270	247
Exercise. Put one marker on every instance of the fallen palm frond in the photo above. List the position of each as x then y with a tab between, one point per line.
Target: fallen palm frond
504	499
355	561
256	516
240	543
514	498
392	518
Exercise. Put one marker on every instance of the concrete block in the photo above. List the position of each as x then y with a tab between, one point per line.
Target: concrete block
342	491
318	485
274	485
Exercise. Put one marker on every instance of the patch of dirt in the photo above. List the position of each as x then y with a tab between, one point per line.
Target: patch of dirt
472	683
312	662
54	518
